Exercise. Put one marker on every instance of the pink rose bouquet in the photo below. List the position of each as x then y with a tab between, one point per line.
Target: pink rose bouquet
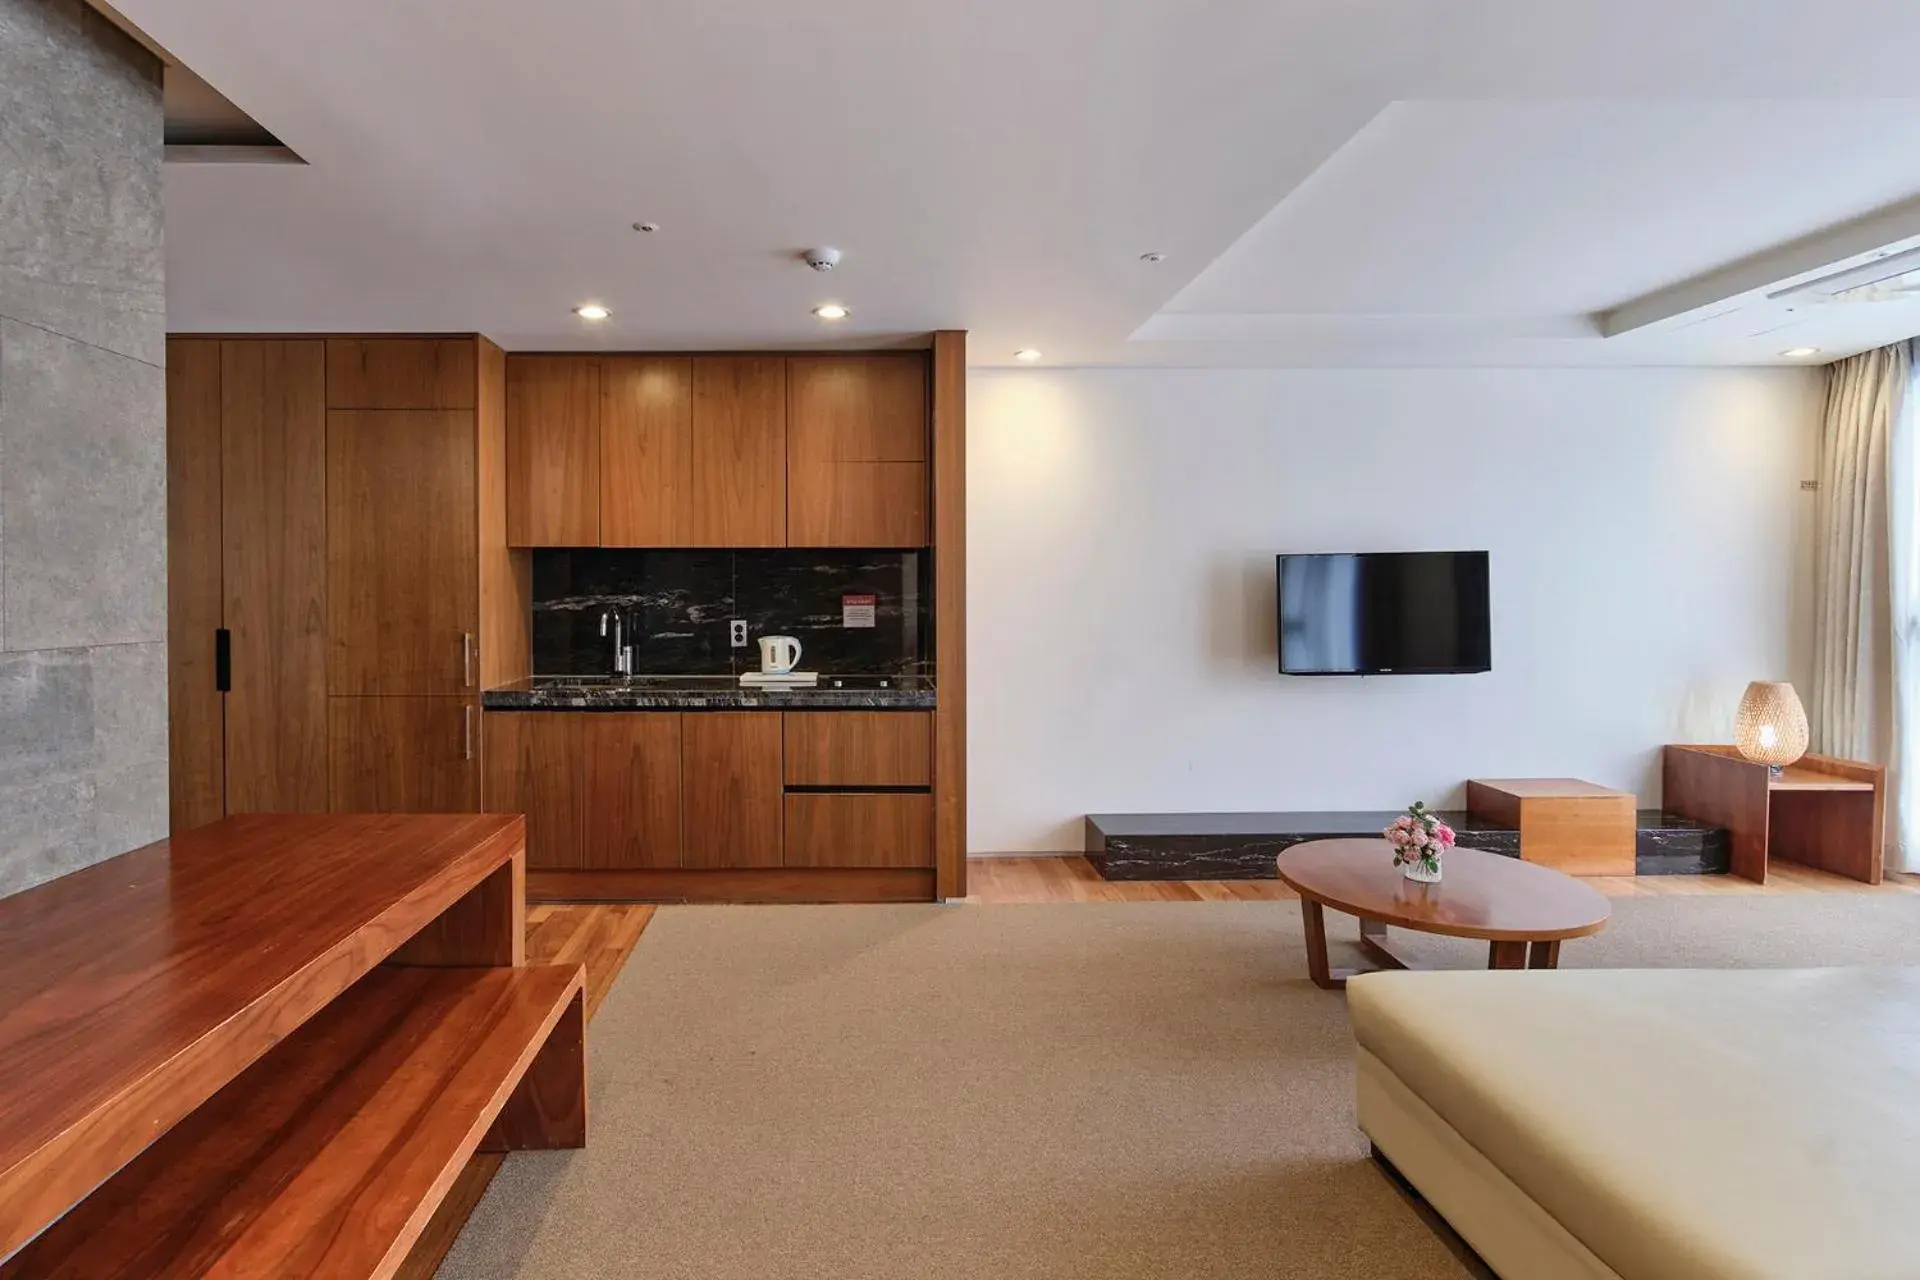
1418	836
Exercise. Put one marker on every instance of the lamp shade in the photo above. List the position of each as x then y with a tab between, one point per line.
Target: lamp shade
1771	728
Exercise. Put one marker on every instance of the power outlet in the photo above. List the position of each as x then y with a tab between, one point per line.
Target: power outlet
737	632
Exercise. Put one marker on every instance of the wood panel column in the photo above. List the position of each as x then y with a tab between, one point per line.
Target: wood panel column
950	612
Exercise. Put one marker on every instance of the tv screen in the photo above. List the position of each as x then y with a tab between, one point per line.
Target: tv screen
1396	613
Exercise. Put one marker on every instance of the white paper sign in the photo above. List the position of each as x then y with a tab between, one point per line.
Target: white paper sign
856	611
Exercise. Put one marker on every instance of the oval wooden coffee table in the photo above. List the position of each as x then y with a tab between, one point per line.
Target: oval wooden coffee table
1523	910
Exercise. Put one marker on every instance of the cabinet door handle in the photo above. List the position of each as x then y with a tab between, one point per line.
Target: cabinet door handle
222	660
466	732
466	658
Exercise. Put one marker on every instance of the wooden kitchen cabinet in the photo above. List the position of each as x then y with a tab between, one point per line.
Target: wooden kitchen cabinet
553	451
646	452
718	450
857	430
731	789
536	765
693	451
402	550
403	755
633	785
739	455
859	748
600	789
859	829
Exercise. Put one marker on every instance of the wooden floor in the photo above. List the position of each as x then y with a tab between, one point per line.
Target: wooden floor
602	935
1072	879
598	935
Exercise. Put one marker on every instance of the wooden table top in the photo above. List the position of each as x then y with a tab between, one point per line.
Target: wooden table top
132	990
1480	895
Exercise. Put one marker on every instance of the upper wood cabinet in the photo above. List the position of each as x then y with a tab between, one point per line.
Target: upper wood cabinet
739	462
693	451
400	373
402	551
857	451
717	450
553	451
646	451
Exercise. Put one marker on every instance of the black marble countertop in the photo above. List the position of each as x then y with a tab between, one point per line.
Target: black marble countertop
708	693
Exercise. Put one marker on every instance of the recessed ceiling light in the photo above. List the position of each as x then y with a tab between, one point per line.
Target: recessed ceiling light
648	227
830	311
1796	353
1153	257
1027	354
591	311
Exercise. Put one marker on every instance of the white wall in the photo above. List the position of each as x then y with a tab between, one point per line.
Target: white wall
1648	538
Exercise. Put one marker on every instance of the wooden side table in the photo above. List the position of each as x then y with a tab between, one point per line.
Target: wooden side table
1580	828
1822	812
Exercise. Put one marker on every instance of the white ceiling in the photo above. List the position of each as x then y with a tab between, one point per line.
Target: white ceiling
1332	181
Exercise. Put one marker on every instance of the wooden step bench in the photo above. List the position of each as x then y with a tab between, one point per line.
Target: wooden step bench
268	1047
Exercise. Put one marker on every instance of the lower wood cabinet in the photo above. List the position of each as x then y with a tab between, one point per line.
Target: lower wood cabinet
601	790
730	789
403	754
859	829
633	772
859	748
536	765
702	792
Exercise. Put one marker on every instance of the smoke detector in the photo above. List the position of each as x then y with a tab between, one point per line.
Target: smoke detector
821	259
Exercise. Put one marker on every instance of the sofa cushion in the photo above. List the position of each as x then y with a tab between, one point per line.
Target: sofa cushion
1752	1124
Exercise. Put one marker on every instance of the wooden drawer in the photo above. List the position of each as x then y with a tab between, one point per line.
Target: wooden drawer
838	829
859	748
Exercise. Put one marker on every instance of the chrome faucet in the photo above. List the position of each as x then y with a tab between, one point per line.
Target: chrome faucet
622	656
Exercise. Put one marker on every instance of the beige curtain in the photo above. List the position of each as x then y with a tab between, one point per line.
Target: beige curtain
1852	710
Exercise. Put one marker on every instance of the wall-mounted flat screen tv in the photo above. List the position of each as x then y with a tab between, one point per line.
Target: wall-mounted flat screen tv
1384	613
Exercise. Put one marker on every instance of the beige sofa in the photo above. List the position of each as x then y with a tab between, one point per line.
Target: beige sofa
1651	1125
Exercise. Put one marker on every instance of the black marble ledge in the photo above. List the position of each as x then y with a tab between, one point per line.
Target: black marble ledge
708	693
1243	846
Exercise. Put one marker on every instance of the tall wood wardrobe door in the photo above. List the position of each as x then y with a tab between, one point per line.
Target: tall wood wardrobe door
274	573
196	709
404	755
402	551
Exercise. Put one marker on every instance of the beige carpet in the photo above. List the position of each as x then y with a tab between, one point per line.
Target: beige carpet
1100	1091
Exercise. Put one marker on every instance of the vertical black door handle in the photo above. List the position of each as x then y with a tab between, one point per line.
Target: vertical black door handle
223	660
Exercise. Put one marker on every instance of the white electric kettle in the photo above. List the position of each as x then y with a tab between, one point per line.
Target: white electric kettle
778	654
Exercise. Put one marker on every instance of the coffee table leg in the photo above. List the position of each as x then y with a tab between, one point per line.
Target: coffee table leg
1317	967
1373	941
1544	955
1506	955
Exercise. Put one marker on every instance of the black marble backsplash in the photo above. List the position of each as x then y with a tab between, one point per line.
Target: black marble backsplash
681	601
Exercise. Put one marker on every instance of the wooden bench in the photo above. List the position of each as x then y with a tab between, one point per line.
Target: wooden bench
269	1046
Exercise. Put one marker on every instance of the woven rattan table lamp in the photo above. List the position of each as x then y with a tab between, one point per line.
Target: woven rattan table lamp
1771	728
